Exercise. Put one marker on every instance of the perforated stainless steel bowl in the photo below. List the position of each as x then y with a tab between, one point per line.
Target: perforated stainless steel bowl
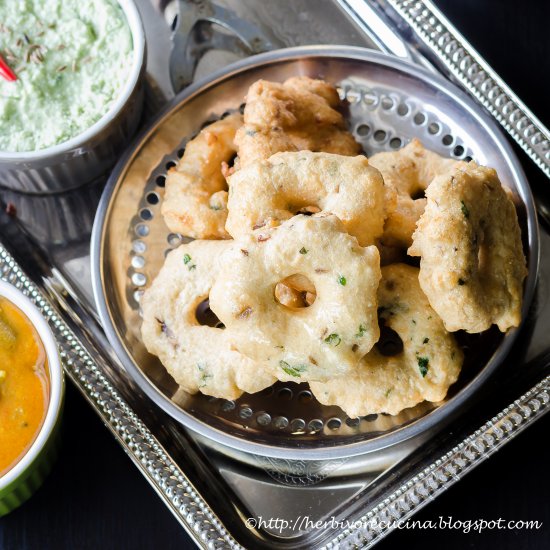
390	102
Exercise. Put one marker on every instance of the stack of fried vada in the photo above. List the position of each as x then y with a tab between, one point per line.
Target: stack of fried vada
291	223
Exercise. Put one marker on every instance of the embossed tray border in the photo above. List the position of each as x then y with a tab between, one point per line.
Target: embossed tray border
446	470
476	75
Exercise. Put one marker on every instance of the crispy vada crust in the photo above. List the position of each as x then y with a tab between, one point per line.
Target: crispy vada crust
200	358
195	200
472	265
317	342
407	173
428	364
268	192
300	114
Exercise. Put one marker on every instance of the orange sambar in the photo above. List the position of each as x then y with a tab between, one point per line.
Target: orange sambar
23	385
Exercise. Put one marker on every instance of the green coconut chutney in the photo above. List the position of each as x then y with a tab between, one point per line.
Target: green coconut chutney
71	58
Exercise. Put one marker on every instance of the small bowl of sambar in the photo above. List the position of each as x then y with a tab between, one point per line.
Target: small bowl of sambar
32	389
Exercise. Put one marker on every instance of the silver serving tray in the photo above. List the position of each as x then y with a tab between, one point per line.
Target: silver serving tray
210	494
390	102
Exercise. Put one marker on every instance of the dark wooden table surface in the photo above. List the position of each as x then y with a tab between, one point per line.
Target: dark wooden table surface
95	497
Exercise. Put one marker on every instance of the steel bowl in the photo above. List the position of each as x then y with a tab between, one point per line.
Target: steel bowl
390	101
89	155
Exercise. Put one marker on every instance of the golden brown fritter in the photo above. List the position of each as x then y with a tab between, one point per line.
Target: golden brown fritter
472	265
300	114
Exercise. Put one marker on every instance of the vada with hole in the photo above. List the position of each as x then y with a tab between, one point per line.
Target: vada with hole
318	342
200	358
429	362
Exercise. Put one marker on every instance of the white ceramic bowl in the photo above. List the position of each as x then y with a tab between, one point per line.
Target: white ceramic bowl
89	155
20	482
